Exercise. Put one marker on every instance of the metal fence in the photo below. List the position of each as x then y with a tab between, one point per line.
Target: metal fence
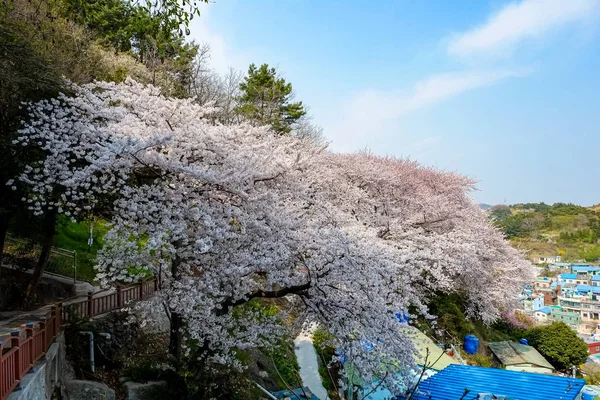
25	253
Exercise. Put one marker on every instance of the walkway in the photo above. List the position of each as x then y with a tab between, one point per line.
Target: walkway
10	320
309	366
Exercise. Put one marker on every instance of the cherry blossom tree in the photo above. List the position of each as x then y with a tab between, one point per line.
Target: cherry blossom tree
225	214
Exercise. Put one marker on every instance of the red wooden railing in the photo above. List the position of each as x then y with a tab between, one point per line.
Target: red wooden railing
24	347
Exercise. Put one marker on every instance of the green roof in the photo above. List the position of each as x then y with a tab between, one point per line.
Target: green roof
513	353
422	343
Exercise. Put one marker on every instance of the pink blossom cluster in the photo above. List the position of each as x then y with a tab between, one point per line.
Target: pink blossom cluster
222	214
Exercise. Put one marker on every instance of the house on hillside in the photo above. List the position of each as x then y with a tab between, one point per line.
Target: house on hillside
533	302
560	266
569	317
515	356
593	343
595	281
547	260
542	316
467	382
584	269
567	279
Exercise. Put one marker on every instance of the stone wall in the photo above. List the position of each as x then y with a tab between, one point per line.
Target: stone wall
46	376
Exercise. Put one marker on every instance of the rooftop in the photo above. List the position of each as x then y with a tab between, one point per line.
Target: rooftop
423	343
513	353
596	278
545	310
299	393
590	339
568	276
584	268
588	288
561	264
451	383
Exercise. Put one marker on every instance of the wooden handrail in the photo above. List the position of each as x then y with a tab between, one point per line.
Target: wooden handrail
24	347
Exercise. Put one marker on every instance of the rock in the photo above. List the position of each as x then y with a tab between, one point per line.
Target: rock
88	390
147	391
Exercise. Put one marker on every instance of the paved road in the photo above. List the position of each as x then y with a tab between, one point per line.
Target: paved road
309	367
10	320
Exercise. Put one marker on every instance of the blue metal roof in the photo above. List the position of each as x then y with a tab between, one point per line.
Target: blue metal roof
588	288
295	394
545	310
584	268
451	382
596	278
568	276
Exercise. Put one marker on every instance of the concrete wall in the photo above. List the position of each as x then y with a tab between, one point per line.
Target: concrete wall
45	376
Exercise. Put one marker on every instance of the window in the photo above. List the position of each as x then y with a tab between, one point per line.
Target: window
597	348
585	315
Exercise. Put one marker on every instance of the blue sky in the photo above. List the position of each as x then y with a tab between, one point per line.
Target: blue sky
505	92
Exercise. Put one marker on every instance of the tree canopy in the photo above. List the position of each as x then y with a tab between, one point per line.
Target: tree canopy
225	214
266	99
559	344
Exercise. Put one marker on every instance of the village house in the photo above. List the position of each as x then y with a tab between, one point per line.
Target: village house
557	313
533	302
547	260
593	343
515	356
542	316
585	269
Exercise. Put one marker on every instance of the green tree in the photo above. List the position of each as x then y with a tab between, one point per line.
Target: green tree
559	344
266	100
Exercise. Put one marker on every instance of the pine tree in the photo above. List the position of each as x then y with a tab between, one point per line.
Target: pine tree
266	100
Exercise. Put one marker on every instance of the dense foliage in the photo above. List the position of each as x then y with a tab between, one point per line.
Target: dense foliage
568	230
559	344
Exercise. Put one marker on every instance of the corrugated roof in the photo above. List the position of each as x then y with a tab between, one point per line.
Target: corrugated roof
568	276
584	268
545	310
588	288
513	353
299	393
596	278
450	384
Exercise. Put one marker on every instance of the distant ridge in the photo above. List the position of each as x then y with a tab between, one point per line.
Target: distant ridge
484	206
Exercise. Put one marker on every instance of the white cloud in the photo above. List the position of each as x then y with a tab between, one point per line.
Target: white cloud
370	111
222	54
518	21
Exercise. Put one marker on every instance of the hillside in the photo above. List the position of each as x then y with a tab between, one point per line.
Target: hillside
568	230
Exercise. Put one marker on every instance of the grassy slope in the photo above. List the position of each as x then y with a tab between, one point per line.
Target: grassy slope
544	239
74	236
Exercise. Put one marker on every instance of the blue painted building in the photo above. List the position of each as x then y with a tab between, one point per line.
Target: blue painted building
452	383
585	269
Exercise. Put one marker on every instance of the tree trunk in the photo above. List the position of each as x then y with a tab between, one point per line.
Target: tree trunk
175	335
49	230
4	219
